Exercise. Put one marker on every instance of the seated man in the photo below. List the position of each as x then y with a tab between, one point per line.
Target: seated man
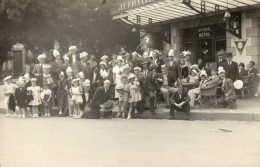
227	96
180	102
100	97
167	85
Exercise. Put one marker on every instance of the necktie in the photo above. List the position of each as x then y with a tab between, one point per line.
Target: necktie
41	70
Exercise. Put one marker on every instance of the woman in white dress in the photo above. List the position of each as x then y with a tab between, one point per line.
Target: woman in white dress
117	73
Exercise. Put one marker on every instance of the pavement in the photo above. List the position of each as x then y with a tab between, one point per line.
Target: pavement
247	110
66	142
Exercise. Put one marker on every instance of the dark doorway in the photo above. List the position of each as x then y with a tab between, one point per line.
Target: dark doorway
17	63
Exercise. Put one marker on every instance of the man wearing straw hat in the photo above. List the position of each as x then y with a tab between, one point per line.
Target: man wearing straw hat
228	96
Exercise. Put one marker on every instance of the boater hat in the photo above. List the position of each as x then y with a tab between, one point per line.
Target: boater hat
83	54
137	69
145	62
55	53
131	76
33	79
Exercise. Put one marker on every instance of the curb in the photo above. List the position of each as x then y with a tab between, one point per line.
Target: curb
230	115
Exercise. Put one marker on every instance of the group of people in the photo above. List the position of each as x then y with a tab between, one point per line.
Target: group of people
81	87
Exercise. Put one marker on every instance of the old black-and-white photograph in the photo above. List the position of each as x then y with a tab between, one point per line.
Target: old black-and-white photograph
129	83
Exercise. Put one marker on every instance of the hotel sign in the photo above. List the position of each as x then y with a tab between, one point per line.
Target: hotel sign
204	32
134	3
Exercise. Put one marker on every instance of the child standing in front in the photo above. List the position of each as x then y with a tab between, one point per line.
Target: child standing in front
69	79
123	91
20	97
134	96
36	94
9	89
76	97
46	96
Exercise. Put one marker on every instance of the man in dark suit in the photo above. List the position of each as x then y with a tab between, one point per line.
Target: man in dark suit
83	65
101	95
73	59
38	70
173	67
221	59
231	68
56	65
227	96
180	102
149	85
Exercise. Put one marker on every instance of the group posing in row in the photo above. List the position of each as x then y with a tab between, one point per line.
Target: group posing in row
81	87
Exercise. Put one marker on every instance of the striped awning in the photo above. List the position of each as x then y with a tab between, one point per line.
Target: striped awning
144	12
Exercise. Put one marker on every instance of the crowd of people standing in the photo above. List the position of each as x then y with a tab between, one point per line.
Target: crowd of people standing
83	87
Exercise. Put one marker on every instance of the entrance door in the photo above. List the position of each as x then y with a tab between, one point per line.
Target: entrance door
220	47
205	50
17	63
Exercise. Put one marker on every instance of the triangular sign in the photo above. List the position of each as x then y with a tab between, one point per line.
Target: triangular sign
240	45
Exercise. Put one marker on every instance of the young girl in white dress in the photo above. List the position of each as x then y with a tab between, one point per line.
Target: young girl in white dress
117	73
9	90
76	97
36	93
134	96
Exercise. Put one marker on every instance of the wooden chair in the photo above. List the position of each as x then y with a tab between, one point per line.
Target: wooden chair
208	95
247	86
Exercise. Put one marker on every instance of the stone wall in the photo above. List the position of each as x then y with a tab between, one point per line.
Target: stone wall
251	32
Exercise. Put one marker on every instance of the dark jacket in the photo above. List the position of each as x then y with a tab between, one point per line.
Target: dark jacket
232	71
85	68
242	73
156	65
175	98
174	70
20	96
100	96
150	82
56	68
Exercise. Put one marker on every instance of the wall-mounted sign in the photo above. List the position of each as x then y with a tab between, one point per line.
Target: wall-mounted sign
240	45
133	3
204	32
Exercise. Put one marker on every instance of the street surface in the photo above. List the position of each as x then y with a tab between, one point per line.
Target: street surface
66	142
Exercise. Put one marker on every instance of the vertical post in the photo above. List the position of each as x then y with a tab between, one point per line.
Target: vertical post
203	7
150	21
138	19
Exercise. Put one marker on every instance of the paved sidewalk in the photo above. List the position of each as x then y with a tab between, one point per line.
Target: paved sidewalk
247	110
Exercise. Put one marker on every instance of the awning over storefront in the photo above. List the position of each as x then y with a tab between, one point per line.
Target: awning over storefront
145	12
